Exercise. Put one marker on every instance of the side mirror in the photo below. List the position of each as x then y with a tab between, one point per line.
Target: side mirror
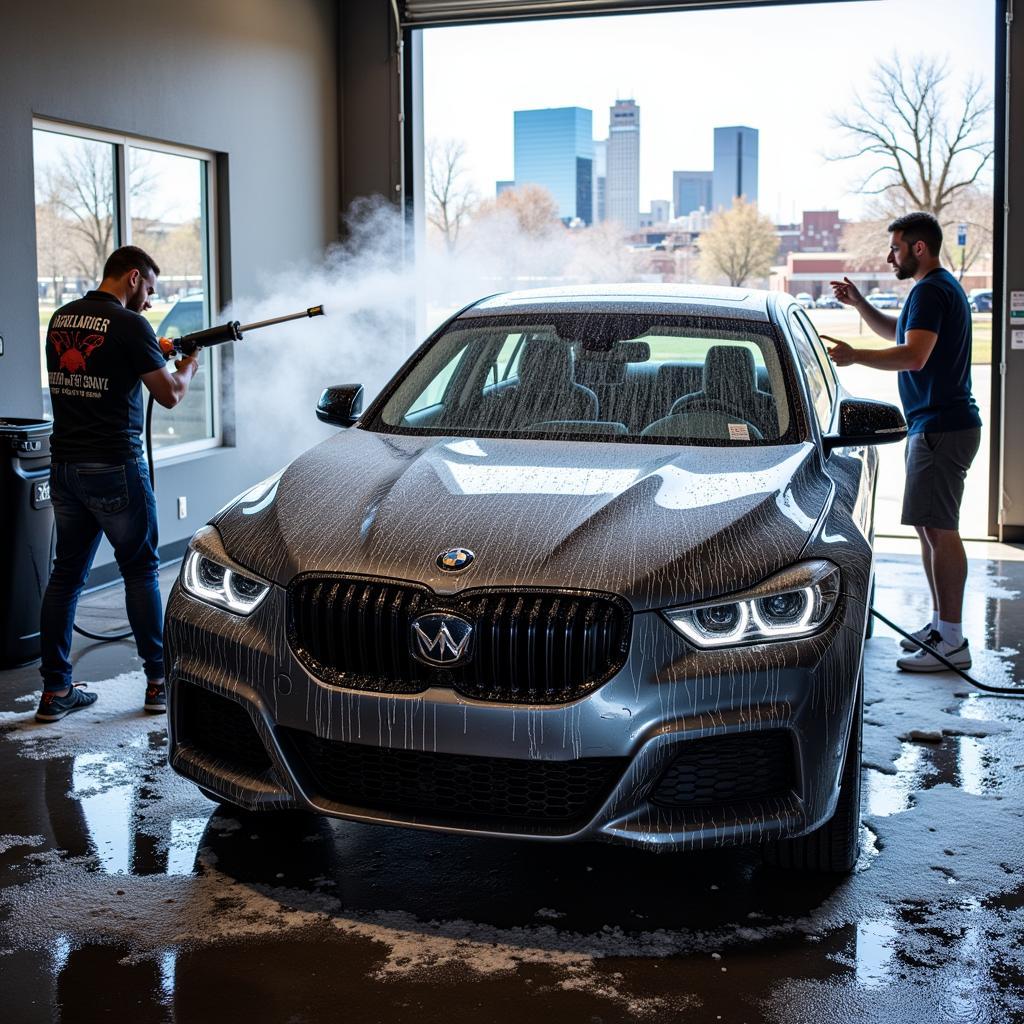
865	421
341	405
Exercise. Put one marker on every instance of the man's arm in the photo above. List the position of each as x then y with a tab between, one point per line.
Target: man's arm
881	323
167	388
910	356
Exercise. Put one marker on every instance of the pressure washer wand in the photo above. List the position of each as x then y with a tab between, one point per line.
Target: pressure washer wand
187	344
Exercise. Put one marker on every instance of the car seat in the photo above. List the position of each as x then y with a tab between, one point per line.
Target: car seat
730	383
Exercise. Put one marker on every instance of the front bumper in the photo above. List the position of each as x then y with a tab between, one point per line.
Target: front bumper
680	749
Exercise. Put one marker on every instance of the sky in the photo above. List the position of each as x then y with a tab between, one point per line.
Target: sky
782	70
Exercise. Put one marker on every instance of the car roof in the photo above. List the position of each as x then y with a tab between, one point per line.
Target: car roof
731	303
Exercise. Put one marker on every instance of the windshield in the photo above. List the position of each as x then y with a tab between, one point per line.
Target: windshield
608	376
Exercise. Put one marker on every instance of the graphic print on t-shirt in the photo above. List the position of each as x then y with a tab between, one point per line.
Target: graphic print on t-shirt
74	348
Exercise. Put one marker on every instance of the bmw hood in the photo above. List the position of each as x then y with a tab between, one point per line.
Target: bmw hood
656	524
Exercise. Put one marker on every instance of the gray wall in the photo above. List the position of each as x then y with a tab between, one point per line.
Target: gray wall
255	80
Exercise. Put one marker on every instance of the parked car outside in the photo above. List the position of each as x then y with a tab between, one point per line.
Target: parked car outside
185	316
981	300
805	299
828	301
595	564
885	300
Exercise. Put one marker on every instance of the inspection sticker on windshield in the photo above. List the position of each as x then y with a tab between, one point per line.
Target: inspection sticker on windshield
738	432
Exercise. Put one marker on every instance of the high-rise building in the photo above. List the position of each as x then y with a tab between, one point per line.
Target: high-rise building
555	148
622	186
735	171
691	190
600	179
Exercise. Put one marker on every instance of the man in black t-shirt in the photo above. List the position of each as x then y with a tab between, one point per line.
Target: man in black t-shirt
98	349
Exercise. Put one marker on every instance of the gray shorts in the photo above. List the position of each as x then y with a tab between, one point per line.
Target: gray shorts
937	465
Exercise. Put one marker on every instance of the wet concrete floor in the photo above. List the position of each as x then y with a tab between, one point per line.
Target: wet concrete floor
126	895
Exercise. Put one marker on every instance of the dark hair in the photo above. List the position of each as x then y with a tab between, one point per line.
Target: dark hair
920	227
127	258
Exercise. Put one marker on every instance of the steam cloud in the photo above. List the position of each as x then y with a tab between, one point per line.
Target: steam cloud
379	308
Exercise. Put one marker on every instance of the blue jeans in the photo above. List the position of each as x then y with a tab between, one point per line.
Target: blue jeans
91	499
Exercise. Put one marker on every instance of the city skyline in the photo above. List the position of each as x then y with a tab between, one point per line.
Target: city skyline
691	71
592	180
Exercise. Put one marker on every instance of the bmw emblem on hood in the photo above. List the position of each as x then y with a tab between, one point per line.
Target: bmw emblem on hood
441	639
454	560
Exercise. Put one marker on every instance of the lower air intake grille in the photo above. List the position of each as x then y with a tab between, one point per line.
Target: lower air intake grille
724	769
527	647
456	786
220	727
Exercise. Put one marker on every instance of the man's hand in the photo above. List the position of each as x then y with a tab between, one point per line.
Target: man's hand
191	360
846	292
841	354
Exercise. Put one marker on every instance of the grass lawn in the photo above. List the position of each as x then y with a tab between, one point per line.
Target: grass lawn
848	327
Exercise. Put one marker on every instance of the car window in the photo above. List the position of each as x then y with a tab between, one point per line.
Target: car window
507	359
819	350
821	399
184	317
614	377
434	391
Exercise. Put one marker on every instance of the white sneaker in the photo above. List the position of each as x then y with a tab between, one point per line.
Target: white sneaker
921	634
922	661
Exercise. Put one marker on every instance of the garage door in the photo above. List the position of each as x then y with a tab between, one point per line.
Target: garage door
430	13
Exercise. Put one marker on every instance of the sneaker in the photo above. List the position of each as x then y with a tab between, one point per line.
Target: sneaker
922	661
156	696
52	708
921	634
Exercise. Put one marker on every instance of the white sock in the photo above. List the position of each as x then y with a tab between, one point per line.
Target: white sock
935	620
952	633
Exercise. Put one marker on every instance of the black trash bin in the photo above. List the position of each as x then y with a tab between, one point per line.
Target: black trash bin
26	535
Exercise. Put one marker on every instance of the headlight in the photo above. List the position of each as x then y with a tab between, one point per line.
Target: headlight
797	604
210	581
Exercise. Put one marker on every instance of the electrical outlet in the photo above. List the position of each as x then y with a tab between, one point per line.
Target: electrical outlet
182	507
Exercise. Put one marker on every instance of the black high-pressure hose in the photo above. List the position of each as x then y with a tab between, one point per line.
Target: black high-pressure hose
186	345
1005	691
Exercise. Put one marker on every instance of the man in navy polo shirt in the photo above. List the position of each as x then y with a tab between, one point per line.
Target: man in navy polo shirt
933	357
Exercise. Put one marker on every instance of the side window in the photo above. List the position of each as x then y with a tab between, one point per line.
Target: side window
434	391
819	348
507	360
817	385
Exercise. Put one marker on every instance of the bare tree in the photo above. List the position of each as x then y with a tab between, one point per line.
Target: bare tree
741	244
450	198
80	191
928	149
532	207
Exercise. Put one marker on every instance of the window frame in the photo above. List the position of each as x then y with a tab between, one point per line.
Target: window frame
210	237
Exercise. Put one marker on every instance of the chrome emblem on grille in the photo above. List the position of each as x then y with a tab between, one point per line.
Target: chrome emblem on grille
454	560
441	639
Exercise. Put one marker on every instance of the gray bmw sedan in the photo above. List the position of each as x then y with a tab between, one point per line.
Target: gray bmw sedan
594	565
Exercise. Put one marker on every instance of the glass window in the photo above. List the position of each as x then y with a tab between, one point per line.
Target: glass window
76	226
821	399
616	377
435	389
824	362
167	200
85	210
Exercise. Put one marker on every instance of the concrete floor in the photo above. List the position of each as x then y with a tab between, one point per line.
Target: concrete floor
125	895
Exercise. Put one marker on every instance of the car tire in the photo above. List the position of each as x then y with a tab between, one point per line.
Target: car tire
831	848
